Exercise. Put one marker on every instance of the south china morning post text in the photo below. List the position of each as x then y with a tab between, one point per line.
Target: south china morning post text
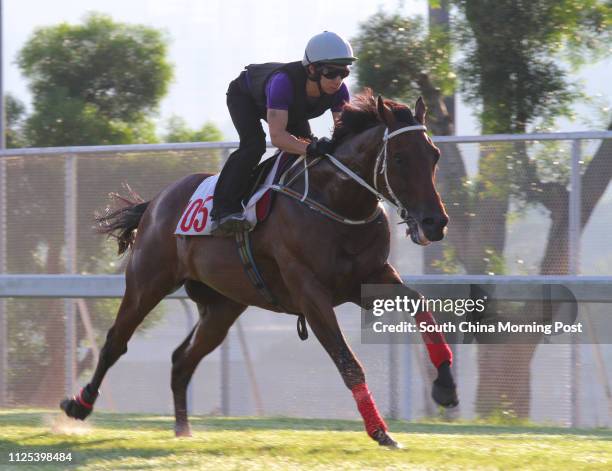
469	313
458	307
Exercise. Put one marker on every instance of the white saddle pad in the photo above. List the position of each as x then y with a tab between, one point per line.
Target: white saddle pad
195	219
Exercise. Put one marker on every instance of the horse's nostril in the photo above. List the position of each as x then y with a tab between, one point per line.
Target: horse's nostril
428	222
441	221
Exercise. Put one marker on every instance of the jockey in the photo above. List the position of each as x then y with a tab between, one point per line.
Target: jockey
286	95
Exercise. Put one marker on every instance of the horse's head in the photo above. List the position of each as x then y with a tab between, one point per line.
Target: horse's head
407	169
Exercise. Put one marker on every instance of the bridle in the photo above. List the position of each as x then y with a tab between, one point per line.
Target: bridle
381	161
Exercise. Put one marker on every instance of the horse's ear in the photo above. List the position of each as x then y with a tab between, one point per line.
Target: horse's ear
420	110
385	112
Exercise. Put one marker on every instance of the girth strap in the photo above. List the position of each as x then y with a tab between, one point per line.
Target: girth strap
248	262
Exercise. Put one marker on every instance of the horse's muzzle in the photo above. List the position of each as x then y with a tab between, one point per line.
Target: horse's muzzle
427	230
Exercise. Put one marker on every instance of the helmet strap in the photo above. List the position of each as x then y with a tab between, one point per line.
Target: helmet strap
316	77
321	92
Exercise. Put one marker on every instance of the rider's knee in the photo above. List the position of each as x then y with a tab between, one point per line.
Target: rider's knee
256	145
259	147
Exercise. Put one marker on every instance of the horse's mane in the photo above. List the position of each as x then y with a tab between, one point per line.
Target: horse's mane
362	113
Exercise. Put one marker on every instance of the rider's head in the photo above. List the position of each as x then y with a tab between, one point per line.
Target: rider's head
326	58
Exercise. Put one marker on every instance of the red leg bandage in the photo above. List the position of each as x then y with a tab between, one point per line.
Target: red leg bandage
79	398
438	349
367	408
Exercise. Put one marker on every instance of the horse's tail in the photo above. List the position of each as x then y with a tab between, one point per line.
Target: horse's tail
121	222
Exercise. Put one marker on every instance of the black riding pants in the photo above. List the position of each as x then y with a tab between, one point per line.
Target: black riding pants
235	176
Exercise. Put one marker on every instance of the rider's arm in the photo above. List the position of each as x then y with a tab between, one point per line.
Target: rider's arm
279	97
277	122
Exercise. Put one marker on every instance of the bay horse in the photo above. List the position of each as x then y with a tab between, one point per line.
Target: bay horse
311	263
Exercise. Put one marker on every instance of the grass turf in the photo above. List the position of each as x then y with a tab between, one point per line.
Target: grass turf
124	441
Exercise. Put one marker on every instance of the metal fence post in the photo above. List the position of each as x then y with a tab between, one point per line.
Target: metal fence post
225	379
574	229
3	319
191	320
70	237
575	209
225	345
407	377
394	364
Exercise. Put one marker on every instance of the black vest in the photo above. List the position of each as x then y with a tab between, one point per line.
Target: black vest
300	111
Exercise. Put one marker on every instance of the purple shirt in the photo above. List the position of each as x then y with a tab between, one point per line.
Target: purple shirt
279	93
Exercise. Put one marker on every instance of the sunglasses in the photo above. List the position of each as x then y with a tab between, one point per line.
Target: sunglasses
333	72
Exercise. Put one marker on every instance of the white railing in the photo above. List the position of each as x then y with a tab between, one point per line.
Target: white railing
596	289
562	136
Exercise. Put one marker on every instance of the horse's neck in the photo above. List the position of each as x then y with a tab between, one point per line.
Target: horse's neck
343	194
359	152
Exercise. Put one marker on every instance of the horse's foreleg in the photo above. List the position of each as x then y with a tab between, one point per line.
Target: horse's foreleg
315	303
444	390
215	320
139	299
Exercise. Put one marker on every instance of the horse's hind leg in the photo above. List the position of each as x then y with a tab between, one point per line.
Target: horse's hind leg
217	314
146	286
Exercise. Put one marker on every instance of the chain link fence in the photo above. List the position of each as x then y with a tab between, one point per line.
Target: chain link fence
510	202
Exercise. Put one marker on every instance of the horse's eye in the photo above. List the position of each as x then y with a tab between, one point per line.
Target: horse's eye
398	159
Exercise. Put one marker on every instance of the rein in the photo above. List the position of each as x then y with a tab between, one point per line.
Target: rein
285	188
381	161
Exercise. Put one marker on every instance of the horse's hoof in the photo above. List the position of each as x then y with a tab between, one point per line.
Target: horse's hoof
384	439
182	431
444	396
75	410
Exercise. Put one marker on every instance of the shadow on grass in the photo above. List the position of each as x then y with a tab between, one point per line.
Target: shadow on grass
135	422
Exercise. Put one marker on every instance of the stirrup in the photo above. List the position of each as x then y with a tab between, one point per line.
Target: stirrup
230	224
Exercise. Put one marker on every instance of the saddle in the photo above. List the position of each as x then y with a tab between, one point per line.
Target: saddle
258	177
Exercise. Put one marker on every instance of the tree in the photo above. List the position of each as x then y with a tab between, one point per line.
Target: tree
15	113
400	59
177	130
509	70
94	83
525	86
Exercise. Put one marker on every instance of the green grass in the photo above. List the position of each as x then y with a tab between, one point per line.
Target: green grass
123	441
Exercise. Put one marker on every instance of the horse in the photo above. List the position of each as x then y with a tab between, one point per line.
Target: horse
311	263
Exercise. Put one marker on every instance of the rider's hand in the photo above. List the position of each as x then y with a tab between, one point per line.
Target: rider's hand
319	147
